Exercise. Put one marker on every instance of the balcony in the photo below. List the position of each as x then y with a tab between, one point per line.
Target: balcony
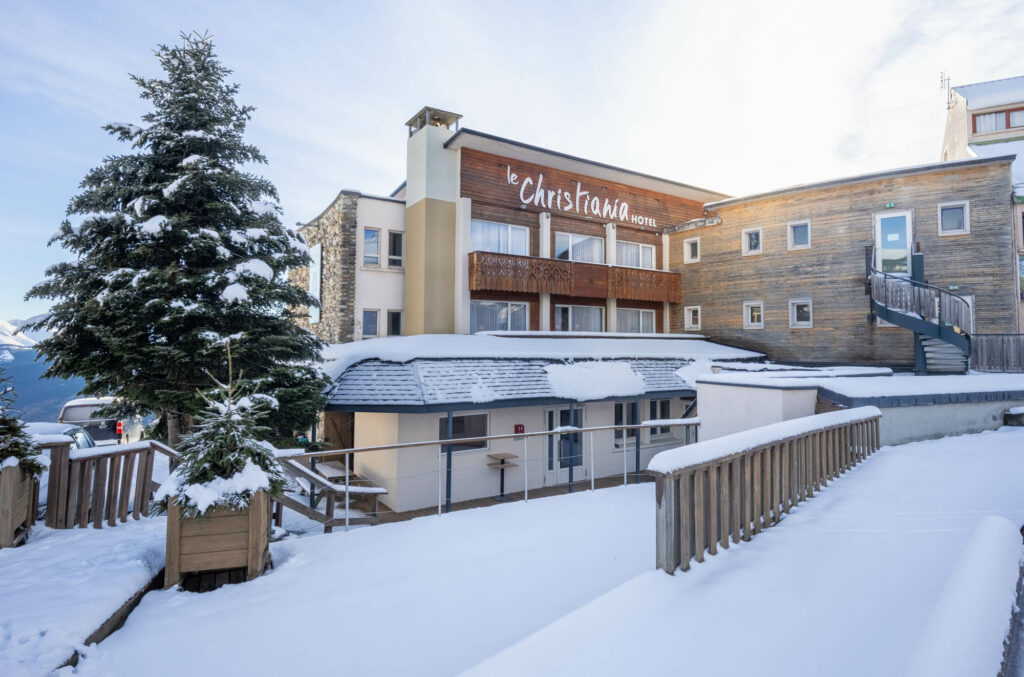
533	275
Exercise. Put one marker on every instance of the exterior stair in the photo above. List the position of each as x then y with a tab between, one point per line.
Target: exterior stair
941	357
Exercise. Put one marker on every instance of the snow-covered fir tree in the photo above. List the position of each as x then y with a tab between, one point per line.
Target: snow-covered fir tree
177	247
224	460
16	447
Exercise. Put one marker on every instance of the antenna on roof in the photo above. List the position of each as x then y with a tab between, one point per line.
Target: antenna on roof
944	84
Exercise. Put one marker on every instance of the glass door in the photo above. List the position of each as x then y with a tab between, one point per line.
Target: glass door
893	235
565	450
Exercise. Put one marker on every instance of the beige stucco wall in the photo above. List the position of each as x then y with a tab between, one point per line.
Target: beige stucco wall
727	409
380	467
954	140
430	267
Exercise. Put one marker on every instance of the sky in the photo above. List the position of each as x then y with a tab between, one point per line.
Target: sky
737	97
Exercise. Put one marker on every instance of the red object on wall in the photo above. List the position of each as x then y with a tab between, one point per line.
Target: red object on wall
520	429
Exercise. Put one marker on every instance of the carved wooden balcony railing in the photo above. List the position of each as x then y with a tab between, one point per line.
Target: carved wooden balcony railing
532	275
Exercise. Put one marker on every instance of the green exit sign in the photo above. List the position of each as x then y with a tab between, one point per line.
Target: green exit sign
890	205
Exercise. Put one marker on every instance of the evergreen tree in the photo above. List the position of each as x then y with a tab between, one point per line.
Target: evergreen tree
224	460
16	447
176	249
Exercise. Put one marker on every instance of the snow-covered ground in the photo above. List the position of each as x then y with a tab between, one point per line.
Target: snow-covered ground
846	585
62	585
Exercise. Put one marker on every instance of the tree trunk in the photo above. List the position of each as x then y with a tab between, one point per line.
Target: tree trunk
173	428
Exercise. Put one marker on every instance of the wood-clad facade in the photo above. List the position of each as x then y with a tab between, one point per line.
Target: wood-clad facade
979	264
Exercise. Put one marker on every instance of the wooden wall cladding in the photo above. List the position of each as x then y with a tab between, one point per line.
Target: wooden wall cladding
485	177
831	272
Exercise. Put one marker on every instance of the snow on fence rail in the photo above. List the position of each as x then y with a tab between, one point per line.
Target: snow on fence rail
735	486
101	483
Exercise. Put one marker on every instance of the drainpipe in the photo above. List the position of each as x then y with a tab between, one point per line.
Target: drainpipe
448	466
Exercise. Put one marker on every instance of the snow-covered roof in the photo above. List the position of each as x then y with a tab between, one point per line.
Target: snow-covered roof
89	401
1015	147
993	93
438	372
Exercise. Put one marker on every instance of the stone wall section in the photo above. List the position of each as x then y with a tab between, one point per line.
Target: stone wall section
335	229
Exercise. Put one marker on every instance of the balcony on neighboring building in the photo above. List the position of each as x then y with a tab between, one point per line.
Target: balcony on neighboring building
533	275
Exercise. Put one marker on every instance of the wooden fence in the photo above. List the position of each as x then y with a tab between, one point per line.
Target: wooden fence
734	487
997	352
101	484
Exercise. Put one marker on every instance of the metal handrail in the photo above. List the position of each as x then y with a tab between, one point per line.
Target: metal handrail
873	271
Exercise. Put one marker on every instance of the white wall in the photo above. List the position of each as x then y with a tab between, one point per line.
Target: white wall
413	481
727	409
431	169
900	425
379	288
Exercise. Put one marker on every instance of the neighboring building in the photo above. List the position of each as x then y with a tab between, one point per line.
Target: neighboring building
784	272
986	119
404	389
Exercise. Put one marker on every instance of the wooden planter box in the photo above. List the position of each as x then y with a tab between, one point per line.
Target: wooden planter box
223	539
19	496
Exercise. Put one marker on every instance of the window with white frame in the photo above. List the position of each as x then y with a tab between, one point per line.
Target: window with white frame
499	316
691	318
579	318
799	235
691	250
370	323
751	241
500	238
753	315
801	313
464	427
954	218
371	247
660	411
577	247
395	241
634	254
625	414
634	320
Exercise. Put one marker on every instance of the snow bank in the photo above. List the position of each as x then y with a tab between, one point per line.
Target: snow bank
341	356
218	491
594	380
964	636
672	460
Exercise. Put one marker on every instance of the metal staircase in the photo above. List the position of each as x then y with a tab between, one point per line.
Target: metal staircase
942	321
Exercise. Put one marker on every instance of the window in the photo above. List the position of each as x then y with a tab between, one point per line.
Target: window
394	323
625	414
660	411
691	318
500	238
801	313
990	122
470	425
800	235
753	315
371	247
369	323
1017	118
954	218
395	249
634	255
498	316
579	318
691	250
634	321
751	241
576	247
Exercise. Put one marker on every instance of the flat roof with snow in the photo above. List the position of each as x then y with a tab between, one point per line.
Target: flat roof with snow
484	371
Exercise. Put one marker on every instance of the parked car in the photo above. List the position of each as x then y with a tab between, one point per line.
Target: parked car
80	436
104	430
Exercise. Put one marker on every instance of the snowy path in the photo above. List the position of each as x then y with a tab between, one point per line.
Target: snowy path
843	586
60	586
431	596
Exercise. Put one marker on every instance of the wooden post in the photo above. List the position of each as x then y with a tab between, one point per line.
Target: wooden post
748	496
172	570
699	515
685	497
17	505
666	492
259	534
756	494
725	470
712	537
57	485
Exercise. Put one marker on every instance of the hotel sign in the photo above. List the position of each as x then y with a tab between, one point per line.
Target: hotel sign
573	198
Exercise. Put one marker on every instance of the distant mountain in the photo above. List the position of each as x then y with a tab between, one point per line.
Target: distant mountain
11	336
37	399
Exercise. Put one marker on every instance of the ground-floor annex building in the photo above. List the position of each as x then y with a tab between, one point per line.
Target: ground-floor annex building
488	234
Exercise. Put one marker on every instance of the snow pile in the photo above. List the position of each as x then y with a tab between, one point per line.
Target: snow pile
191	160
263	207
1014	411
693	370
235	293
173	187
153	225
255	267
964	636
218	491
672	460
480	392
60	586
594	380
